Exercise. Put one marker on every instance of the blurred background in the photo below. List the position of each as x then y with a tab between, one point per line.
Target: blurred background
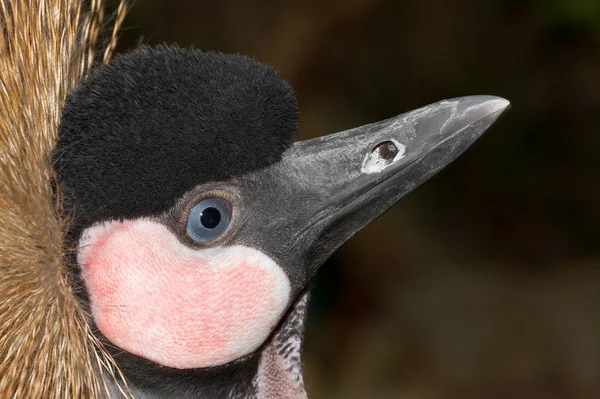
484	282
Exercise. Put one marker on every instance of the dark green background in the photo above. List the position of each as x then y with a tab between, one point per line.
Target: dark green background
483	283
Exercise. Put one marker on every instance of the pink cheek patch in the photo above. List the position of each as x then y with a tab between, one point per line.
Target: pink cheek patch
156	298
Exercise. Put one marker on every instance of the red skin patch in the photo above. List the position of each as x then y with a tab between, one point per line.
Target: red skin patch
156	298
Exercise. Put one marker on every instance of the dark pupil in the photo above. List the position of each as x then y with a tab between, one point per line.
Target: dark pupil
210	218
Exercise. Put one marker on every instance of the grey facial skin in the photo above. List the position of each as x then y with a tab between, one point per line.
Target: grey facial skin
299	211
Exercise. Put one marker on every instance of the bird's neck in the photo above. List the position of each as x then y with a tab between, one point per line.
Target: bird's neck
279	373
275	372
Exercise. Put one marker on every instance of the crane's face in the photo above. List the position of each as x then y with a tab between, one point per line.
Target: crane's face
207	281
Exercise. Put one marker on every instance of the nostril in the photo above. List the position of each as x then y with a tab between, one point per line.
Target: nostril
387	151
383	155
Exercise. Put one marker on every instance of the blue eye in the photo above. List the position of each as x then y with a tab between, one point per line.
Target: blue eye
208	220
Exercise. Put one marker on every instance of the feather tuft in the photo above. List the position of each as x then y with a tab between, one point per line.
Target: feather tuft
47	349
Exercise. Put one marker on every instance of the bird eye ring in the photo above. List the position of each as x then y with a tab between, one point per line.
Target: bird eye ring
208	220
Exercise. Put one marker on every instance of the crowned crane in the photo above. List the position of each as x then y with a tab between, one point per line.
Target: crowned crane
198	224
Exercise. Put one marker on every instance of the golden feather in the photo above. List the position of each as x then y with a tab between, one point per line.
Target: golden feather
47	349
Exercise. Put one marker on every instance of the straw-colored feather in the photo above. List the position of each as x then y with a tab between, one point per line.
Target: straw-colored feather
46	347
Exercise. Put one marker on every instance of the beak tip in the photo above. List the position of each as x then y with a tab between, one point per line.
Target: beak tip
496	104
480	110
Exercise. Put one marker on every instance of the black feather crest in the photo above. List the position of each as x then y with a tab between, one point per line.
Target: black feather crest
154	123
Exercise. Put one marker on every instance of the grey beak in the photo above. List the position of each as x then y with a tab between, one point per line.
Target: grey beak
332	186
